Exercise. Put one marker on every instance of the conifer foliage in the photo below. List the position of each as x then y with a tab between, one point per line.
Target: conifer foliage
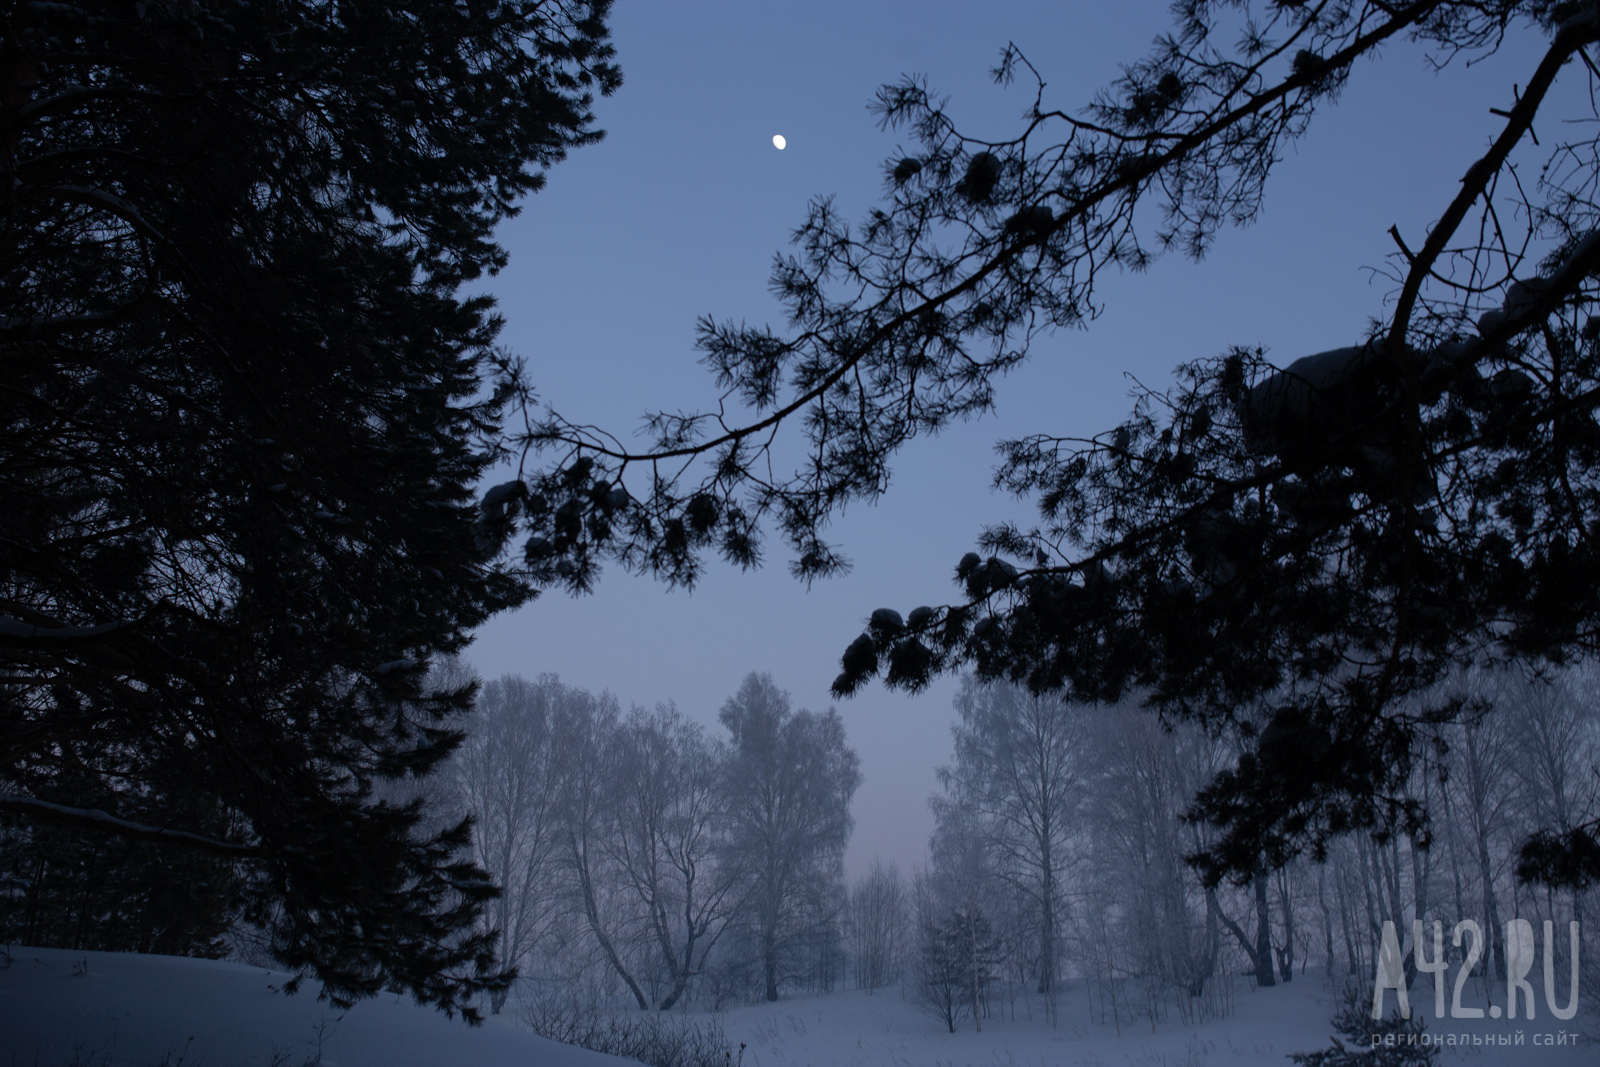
242	415
1294	550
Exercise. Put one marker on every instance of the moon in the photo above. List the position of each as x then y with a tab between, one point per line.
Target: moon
778	142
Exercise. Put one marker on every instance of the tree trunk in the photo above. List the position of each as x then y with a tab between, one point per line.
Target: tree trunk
1259	950
1286	905
1397	911
1263	954
1454	852
1421	867
1327	916
592	913
769	960
1365	850
1047	936
977	1016
1206	965
1494	942
1479	764
1355	959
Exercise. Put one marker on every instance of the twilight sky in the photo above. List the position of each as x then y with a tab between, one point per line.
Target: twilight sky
678	212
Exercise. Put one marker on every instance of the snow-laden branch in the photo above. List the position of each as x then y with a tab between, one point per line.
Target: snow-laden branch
95	819
104	201
33	326
16	629
1571	38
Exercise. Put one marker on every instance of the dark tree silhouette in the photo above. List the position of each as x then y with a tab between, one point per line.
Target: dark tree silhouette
1302	547
241	420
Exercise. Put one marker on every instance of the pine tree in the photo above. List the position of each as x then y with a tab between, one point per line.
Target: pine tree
1306	553
1299	552
242	418
1387	1042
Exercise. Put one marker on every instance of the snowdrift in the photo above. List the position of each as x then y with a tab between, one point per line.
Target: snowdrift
108	1009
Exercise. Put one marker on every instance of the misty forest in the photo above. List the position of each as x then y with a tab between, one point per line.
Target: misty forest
1274	725
645	861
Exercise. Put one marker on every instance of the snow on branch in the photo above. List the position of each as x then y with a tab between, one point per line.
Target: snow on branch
1572	36
16	628
30	325
104	201
95	819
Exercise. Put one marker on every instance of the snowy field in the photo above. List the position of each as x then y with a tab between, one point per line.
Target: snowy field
97	1009
856	1030
106	1009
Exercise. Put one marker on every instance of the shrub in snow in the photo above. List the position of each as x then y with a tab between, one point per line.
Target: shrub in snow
656	1038
1367	1039
955	960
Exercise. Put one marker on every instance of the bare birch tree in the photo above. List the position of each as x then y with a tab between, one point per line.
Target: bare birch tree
665	817
506	776
1141	779
789	779
1016	771
585	728
877	924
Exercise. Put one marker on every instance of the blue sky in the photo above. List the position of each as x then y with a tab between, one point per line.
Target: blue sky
678	212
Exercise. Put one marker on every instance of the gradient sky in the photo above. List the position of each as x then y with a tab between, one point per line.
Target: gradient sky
678	212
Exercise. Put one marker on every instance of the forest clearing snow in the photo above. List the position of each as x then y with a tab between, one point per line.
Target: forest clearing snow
857	1029
103	1009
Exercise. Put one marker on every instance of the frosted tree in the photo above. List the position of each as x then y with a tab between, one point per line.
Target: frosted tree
665	819
1018	775
1554	744
963	898
584	730
1480	804
938	982
1139	779
507	776
787	783
877	921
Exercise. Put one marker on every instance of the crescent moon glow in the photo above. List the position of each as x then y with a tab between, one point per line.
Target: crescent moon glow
778	142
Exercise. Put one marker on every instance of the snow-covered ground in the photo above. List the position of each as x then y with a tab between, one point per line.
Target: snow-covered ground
853	1029
107	1009
99	1009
